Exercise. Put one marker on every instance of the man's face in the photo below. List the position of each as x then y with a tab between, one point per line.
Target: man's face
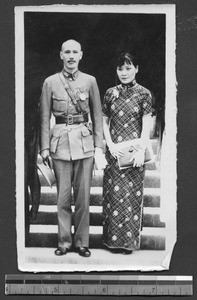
71	54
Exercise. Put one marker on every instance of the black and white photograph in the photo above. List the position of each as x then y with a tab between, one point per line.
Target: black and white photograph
96	111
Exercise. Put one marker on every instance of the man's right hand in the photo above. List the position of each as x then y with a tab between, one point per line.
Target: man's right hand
45	156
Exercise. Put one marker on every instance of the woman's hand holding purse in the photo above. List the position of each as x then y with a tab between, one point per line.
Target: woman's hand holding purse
115	152
138	159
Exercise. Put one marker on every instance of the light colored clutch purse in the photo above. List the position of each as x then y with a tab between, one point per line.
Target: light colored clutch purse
129	149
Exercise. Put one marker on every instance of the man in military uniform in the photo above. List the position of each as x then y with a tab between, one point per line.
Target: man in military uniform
73	98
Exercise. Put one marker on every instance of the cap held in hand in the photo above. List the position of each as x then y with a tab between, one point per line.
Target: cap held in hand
46	171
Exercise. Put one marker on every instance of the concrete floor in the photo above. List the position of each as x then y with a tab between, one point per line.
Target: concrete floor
44	260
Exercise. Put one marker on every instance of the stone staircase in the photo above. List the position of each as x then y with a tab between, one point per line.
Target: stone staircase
43	231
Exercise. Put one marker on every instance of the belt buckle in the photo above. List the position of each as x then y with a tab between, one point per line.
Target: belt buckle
70	119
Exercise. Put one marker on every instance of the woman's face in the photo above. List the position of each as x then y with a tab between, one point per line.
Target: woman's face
126	73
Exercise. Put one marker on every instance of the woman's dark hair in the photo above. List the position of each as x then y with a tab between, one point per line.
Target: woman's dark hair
123	58
127	58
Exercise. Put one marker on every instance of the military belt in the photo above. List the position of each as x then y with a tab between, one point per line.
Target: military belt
72	119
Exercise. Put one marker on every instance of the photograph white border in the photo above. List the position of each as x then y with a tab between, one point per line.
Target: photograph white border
168	155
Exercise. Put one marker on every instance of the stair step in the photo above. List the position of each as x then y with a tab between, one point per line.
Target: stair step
49	240
93	230
151	180
155	145
151	165
97	179
48	215
49	196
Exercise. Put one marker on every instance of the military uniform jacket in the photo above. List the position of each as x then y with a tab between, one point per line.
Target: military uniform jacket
77	141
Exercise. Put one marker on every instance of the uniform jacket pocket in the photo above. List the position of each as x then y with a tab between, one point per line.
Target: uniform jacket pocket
59	105
87	140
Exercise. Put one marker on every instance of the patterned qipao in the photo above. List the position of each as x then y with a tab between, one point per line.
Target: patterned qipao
123	189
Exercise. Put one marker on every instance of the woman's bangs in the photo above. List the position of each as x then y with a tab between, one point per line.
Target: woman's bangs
124	60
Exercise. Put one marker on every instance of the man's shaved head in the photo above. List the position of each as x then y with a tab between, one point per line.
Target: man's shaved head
71	43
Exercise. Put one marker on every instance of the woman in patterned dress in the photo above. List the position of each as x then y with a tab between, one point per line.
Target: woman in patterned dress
127	115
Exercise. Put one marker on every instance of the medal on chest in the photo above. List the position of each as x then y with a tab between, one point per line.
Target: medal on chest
82	95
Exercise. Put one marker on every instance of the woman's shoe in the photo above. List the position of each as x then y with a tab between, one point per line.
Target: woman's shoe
125	251
122	251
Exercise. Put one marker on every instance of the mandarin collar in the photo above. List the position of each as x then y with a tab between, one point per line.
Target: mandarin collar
70	76
128	85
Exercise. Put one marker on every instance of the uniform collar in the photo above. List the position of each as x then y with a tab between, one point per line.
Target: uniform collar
70	76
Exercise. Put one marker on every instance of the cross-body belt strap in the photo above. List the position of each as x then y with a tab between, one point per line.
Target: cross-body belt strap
71	94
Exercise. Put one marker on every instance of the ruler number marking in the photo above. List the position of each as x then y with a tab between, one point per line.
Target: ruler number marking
16	284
